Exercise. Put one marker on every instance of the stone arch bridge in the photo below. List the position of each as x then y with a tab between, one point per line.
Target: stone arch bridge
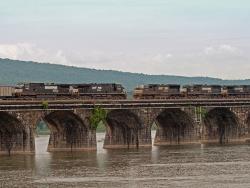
128	123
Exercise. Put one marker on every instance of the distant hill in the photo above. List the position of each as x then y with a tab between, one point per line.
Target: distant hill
13	71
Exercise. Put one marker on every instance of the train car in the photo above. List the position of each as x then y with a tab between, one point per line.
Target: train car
202	91
36	90
6	91
236	91
246	90
157	91
81	91
100	91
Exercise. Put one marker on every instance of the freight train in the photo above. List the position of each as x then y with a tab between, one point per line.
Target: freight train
117	92
174	91
63	91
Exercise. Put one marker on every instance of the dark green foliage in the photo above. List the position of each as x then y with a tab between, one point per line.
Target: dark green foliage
98	115
45	105
12	72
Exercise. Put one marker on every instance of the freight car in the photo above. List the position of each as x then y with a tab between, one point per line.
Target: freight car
67	91
202	91
172	91
6	91
242	91
157	91
105	91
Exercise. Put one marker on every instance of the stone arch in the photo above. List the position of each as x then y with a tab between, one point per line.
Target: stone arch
220	125
174	126
123	129
14	136
68	131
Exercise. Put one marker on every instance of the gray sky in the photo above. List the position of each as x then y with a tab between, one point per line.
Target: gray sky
176	37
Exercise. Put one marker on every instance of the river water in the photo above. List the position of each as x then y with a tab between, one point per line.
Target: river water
182	166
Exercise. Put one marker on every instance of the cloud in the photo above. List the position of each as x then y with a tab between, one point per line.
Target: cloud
224	61
30	52
159	58
223	49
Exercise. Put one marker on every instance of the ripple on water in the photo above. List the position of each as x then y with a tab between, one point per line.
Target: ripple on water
183	166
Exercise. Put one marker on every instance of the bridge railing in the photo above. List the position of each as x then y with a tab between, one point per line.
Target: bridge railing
121	104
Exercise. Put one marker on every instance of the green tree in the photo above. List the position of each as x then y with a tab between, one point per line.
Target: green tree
98	114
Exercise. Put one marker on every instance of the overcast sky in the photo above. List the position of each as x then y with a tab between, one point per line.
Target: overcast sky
173	37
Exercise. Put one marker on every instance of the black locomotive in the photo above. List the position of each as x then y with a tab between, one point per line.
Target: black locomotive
68	91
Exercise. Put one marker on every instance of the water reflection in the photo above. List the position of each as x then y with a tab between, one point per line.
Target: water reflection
102	154
42	157
182	166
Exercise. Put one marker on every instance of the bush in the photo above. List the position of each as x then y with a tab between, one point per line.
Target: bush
201	111
98	114
45	105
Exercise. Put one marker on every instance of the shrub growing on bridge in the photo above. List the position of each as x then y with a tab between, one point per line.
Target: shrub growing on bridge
201	111
98	115
45	105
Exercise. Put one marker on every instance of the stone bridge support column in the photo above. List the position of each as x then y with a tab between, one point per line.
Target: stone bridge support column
89	140
196	114
29	120
147	118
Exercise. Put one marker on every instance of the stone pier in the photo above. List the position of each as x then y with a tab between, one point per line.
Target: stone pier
126	127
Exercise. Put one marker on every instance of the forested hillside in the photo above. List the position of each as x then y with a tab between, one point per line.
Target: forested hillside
13	71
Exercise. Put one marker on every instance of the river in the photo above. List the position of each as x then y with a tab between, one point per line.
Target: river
179	166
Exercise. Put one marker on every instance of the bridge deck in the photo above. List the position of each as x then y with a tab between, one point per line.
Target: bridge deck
120	104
